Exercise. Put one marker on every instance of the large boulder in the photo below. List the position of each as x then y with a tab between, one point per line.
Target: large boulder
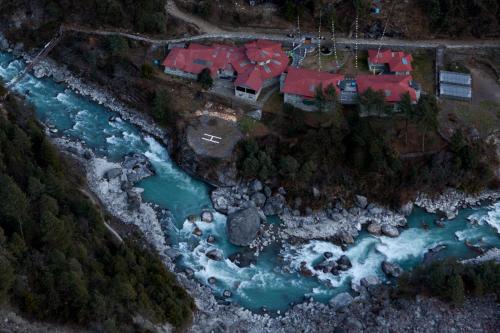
137	167
392	270
259	199
243	259
370	281
214	254
361	201
340	301
243	226
374	229
255	186
390	230
207	216
344	263
274	205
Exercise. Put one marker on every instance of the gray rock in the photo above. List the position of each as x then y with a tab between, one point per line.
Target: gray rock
327	255
87	155
392	269
344	263
211	239
207	216
137	167
376	210
259	199
134	200
243	226
274	205
198	232
368	281
374	229
212	280
113	173
316	193
390	230
255	186
214	254
340	301
407	208
361	201
267	191
345	237
243	259
227	293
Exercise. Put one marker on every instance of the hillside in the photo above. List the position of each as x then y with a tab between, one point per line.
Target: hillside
57	260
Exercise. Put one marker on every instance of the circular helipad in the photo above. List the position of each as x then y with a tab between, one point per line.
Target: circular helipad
213	137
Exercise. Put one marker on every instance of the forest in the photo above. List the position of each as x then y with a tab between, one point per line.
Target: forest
57	260
146	16
347	154
451	281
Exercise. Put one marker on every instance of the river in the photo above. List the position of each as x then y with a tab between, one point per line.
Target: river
269	283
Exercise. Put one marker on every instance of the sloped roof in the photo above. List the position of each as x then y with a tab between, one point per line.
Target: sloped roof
393	86
455	78
251	79
197	57
255	62
303	82
397	61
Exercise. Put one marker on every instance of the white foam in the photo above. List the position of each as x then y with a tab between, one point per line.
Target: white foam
112	140
411	243
493	217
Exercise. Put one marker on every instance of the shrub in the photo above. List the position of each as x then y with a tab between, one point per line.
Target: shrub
147	71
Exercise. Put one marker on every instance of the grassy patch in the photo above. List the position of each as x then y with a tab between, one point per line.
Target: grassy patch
485	117
274	104
247	124
423	73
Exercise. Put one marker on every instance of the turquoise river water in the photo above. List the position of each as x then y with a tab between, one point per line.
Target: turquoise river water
266	284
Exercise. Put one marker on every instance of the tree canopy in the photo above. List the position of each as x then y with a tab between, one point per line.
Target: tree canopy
57	260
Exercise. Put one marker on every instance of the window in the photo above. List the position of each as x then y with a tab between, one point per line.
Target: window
240	89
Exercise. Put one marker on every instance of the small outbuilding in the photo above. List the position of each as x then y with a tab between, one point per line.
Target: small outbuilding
455	85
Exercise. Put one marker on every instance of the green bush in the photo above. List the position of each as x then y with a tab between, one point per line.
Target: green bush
451	281
147	71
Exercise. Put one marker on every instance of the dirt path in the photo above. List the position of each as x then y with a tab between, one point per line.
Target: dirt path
95	201
202	25
366	43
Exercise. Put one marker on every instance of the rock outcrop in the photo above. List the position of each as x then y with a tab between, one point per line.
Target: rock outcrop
243	226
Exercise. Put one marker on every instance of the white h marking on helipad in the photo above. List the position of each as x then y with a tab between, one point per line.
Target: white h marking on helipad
211	138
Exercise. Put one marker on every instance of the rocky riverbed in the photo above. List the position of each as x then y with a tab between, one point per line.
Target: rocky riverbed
112	183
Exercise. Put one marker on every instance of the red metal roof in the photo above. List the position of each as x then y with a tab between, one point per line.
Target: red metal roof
254	63
393	86
303	82
397	61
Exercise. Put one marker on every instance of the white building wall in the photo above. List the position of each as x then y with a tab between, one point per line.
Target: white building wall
177	72
247	96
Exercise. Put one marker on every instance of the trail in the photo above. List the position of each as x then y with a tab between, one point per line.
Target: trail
202	25
244	36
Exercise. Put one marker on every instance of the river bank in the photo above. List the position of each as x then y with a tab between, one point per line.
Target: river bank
212	313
